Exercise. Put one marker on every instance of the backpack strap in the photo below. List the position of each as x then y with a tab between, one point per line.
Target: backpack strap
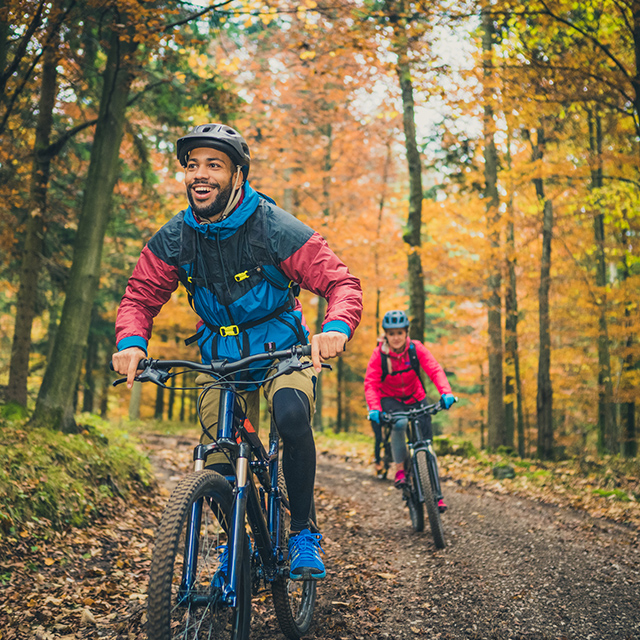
414	363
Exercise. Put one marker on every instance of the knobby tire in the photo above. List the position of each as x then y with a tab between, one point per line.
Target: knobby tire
293	600
168	619
416	511
429	495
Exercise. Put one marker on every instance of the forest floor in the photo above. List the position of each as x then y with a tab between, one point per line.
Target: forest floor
514	567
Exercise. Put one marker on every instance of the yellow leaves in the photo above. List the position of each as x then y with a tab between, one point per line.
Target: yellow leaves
307	55
49	561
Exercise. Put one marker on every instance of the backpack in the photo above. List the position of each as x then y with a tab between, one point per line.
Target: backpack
414	364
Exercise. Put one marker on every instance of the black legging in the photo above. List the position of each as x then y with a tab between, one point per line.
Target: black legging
377	432
291	414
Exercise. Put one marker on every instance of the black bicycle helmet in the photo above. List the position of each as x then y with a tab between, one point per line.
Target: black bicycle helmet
217	136
395	320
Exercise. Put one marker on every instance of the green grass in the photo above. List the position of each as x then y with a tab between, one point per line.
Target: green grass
618	494
52	480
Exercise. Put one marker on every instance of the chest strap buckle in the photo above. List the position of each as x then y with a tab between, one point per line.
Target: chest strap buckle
231	330
239	277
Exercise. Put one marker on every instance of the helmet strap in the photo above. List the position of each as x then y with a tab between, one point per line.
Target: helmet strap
234	198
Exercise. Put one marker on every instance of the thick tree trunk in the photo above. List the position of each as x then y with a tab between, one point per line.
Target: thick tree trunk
35	230
544	400
54	405
495	418
607	423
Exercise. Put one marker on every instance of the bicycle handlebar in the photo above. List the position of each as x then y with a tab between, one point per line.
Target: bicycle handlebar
157	371
430	409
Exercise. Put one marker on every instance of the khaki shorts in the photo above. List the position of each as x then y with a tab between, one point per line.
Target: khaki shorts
304	381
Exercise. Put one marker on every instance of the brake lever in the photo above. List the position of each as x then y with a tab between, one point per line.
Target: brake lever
156	376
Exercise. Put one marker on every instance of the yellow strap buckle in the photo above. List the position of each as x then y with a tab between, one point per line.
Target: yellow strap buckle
189	279
239	277
231	330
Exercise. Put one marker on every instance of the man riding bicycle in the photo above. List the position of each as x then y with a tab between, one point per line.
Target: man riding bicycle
243	260
392	383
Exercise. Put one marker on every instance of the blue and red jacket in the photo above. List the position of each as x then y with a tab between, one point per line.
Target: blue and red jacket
242	275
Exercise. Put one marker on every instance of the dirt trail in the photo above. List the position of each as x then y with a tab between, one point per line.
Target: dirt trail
512	568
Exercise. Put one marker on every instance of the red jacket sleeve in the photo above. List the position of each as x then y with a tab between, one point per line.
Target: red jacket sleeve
373	381
318	269
149	288
432	368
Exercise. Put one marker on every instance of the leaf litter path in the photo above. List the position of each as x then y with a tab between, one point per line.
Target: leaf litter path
513	568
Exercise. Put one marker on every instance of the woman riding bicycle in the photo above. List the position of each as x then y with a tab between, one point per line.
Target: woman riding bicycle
392	383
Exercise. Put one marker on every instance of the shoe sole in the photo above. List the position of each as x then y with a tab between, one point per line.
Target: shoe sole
307	574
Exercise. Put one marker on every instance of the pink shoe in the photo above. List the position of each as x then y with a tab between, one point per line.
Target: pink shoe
401	479
442	507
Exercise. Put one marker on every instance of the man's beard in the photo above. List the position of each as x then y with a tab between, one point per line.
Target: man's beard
213	209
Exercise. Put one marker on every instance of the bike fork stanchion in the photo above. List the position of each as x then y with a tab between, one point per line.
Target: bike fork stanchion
433	471
237	533
191	550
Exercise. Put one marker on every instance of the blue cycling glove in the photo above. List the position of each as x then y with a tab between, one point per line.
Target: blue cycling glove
374	415
447	400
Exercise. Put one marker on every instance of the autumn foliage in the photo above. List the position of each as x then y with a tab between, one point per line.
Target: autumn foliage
313	87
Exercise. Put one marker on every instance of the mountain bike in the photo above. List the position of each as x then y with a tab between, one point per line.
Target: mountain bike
422	486
221	537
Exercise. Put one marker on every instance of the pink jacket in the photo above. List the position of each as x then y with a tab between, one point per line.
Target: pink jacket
405	386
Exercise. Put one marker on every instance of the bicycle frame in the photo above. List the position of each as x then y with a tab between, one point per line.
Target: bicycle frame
416	443
251	461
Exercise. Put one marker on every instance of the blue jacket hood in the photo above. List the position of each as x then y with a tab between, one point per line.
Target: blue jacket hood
227	227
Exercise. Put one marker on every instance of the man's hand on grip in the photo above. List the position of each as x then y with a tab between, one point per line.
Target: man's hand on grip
125	362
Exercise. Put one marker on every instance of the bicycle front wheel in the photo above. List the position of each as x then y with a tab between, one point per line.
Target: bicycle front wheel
422	469
411	497
185	593
293	600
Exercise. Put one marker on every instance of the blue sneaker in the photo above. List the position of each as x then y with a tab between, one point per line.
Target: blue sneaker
304	553
221	573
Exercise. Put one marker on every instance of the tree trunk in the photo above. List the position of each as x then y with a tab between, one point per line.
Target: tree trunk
495	418
159	408
35	229
54	405
135	400
339	408
90	363
318	423
413	235
628	413
512	379
183	397
376	252
635	79
607	423
172	398
544	398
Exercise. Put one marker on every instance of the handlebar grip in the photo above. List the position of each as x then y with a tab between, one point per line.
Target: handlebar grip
304	350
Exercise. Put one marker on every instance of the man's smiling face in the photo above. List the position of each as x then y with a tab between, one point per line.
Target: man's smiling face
208	178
